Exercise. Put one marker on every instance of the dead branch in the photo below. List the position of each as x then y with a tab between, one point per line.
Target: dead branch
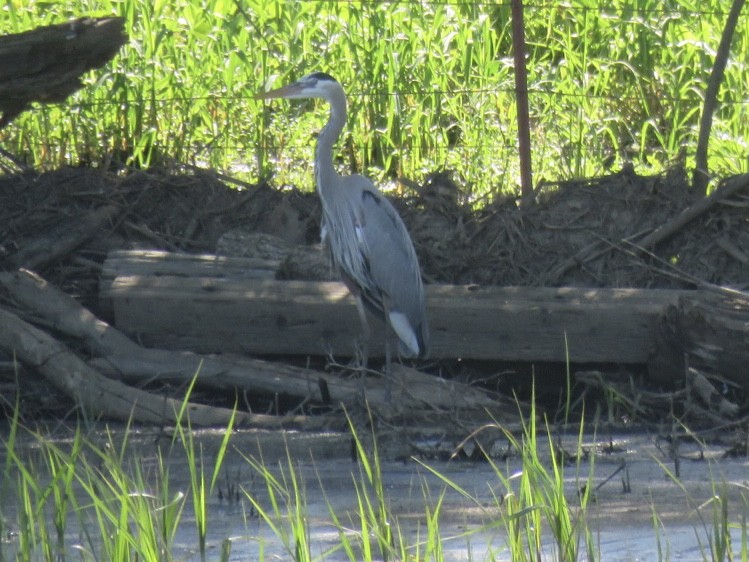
598	248
45	64
709	395
59	241
731	186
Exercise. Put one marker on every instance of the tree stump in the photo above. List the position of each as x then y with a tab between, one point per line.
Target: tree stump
704	331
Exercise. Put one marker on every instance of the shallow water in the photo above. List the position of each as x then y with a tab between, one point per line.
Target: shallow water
622	524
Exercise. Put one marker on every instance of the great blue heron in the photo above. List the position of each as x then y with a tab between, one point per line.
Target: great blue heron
368	242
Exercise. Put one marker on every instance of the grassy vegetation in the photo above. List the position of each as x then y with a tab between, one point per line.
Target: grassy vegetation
430	87
96	497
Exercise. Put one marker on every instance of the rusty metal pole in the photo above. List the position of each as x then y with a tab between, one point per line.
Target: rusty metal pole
521	93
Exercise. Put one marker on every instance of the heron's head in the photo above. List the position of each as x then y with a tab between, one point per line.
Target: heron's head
315	85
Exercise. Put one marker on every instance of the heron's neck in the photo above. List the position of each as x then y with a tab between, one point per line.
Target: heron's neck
325	172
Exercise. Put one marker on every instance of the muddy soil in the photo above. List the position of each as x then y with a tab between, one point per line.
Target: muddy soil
499	243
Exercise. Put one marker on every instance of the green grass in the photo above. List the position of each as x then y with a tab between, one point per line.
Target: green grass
98	496
202	488
430	87
285	509
123	510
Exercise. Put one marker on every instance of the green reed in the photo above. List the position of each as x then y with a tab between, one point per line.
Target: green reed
118	507
430	87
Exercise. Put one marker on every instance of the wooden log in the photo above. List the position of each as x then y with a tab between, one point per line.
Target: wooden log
46	64
159	264
706	331
210	315
118	356
100	396
83	381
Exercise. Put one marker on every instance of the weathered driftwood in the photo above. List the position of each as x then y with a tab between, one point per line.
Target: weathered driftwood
98	395
59	241
707	331
309	263
297	262
158	263
95	393
211	315
117	356
45	64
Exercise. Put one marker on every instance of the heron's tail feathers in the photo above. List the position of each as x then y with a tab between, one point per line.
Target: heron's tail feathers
413	342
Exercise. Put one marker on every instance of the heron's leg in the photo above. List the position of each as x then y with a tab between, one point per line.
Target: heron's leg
363	345
388	371
389	332
366	332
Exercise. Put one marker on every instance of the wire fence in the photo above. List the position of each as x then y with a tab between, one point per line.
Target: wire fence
608	84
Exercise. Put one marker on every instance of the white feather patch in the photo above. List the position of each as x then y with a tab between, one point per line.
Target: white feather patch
405	332
324	233
359	234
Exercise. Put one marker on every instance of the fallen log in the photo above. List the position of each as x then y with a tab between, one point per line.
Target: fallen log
158	264
260	317
100	396
118	356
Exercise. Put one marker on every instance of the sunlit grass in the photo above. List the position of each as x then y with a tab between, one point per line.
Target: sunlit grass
430	87
285	510
124	509
202	488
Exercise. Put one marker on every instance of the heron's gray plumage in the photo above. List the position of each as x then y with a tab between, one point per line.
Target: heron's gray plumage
368	241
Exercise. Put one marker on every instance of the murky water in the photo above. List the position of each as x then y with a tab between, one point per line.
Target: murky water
622	524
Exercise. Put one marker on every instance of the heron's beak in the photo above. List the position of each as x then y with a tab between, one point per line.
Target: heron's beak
283	92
